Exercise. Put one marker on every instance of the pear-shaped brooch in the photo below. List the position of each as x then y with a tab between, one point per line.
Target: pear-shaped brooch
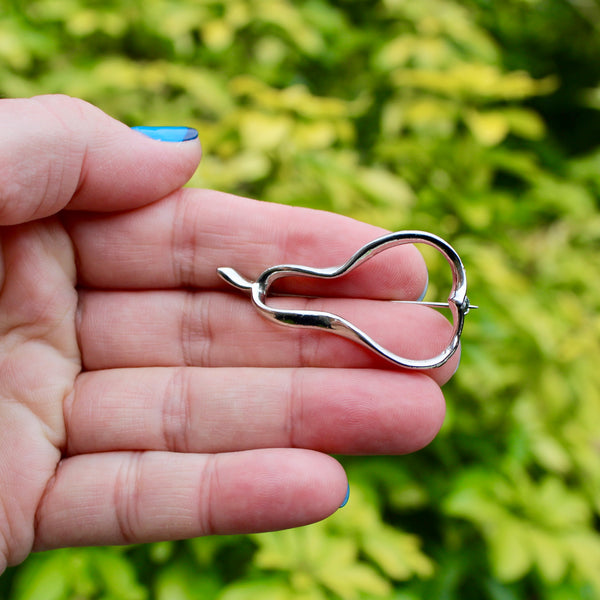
457	303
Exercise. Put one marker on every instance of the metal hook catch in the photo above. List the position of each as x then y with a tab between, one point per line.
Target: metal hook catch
458	302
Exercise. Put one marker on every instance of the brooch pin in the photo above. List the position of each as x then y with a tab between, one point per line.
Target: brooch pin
458	302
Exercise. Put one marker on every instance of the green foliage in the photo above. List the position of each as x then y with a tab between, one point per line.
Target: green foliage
440	115
82	573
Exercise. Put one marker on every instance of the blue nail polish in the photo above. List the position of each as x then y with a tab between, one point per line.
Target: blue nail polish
346	497
168	134
424	293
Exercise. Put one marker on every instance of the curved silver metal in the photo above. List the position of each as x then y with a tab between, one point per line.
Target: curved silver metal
458	303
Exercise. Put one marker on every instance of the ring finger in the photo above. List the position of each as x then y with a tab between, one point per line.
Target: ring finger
205	410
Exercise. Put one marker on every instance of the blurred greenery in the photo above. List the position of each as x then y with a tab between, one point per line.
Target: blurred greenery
477	120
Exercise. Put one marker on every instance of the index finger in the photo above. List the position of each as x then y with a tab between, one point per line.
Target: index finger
181	240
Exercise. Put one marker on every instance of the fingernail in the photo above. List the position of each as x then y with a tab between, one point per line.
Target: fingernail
457	364
346	497
424	293
168	134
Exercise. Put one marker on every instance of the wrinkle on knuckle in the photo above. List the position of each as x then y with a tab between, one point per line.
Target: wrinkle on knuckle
127	497
186	328
196	329
175	417
209	494
184	241
201	332
67	176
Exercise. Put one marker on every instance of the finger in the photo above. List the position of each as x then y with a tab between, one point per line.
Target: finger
181	241
214	329
129	497
59	151
342	411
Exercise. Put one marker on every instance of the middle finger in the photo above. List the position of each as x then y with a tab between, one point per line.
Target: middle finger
215	329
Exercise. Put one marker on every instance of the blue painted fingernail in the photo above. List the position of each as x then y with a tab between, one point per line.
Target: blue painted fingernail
424	293
168	134
346	497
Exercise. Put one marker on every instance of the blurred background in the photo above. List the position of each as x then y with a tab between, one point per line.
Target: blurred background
478	120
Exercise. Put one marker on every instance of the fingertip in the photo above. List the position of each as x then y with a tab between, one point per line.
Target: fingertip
346	497
60	152
432	417
414	423
417	277
425	288
283	488
135	166
446	372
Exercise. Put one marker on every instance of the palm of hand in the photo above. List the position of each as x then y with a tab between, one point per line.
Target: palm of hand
39	360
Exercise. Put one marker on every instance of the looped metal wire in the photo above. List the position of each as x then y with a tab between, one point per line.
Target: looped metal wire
458	302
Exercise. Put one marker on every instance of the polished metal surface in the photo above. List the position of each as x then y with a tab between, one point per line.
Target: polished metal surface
458	303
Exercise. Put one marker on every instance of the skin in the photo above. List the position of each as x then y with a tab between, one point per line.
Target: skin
141	398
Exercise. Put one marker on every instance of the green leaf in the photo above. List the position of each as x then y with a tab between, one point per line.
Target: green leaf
44	576
182	581
549	555
489	128
397	554
118	575
352	580
265	589
510	553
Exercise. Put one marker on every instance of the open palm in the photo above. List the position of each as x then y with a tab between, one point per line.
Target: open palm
140	399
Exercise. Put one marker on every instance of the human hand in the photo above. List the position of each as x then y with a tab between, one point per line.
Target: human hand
140	398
